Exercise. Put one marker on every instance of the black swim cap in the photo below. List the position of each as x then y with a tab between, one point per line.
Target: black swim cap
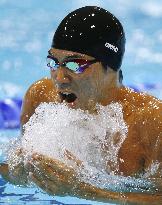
93	31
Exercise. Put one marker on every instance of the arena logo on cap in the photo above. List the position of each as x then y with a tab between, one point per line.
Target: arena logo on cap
111	47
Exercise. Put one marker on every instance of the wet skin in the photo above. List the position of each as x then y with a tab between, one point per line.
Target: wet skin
142	113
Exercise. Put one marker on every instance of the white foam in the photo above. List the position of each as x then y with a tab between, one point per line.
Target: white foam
55	128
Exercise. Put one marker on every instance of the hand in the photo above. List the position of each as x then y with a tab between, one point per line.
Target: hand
15	174
4	171
53	176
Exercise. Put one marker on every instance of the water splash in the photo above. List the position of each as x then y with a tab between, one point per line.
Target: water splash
55	128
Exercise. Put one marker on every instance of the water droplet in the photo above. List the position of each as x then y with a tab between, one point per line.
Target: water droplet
93	26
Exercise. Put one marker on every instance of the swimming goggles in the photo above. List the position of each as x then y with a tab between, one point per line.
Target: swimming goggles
75	65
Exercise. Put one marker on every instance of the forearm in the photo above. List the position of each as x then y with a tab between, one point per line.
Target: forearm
93	193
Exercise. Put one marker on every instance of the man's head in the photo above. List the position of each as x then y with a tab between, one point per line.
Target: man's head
88	47
92	31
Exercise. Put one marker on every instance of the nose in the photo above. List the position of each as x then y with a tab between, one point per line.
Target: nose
61	76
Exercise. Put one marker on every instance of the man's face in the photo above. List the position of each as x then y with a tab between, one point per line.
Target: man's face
80	90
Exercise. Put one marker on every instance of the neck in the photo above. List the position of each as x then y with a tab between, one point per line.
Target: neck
114	94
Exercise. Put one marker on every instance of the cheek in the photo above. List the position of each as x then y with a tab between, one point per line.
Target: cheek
90	82
88	86
95	80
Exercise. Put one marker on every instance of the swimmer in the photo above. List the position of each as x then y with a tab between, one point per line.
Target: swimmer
85	65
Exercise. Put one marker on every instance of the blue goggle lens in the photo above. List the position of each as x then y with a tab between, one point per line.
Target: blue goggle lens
75	65
52	63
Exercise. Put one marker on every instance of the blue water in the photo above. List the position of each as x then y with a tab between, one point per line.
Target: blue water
26	30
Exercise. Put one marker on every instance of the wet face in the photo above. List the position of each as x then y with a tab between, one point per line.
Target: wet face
81	90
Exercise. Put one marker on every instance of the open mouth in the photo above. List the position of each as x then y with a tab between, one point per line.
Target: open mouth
68	97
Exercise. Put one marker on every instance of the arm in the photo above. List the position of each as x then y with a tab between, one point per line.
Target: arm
17	175
152	134
56	178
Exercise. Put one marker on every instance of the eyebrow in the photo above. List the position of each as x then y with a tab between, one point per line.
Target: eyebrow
49	52
67	57
72	57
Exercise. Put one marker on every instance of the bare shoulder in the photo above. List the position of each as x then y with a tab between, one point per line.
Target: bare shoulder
153	115
150	118
143	111
151	107
41	91
141	101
